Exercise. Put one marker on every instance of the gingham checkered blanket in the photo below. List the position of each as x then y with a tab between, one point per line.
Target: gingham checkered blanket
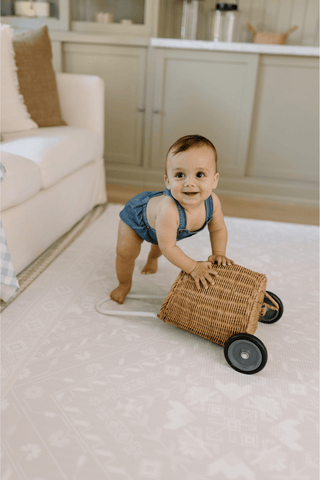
9	285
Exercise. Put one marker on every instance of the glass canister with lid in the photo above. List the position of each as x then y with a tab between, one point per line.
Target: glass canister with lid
224	22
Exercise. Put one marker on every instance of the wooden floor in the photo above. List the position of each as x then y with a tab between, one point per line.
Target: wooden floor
241	207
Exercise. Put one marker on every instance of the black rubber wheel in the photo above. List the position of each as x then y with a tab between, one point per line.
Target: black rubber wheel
272	316
245	353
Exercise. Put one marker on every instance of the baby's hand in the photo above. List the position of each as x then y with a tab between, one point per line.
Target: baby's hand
201	273
220	259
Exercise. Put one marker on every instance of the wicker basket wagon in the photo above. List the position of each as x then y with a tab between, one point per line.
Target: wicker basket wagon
226	313
232	305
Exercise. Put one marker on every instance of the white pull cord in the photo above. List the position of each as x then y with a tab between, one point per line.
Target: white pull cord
98	306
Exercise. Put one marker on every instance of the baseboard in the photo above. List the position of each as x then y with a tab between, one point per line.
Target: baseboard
281	191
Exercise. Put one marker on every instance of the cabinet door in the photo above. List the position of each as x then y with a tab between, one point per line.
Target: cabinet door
285	128
204	93
58	15
129	17
123	71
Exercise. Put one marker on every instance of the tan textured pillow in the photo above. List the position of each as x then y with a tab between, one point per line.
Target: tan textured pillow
37	80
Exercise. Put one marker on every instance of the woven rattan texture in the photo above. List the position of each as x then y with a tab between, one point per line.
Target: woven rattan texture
232	305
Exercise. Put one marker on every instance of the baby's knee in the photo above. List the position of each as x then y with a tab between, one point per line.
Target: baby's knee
122	250
127	252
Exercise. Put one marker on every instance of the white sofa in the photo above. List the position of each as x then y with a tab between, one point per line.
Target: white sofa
54	175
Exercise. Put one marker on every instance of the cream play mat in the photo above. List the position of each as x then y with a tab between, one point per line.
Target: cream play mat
90	396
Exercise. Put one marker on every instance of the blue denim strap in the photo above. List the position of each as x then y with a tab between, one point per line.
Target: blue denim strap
182	213
209	209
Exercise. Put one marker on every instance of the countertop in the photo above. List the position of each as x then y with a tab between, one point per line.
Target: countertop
235	47
99	38
183	44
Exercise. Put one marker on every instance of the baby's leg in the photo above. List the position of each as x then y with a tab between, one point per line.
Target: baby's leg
152	263
128	248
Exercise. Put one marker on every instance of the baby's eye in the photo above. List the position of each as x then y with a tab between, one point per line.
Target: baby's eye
179	175
200	174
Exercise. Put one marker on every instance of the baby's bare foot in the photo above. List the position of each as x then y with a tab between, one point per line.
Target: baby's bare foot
119	294
150	267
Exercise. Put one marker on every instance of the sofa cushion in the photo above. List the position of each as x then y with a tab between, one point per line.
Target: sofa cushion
37	79
14	113
58	151
22	180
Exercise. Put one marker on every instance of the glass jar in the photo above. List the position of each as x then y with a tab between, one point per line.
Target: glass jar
192	15
224	22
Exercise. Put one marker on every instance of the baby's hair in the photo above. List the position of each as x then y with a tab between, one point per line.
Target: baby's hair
184	143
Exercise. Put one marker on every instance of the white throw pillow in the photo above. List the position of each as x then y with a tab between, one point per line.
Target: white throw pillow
14	113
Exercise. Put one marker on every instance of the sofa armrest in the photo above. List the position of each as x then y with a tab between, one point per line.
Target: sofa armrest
82	100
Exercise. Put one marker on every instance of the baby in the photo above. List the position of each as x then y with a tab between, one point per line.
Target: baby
163	218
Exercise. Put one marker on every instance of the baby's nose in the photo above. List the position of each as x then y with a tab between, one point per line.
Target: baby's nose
189	181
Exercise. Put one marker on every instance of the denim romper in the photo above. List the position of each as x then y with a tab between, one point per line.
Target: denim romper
134	214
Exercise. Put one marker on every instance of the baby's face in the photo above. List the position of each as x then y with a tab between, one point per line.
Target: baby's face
191	175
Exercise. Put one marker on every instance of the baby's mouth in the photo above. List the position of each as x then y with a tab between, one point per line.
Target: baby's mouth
190	193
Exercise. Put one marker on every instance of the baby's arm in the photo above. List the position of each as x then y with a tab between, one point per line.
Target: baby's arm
167	223
218	235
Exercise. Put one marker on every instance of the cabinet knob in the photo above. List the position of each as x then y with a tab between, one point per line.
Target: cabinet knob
141	108
156	110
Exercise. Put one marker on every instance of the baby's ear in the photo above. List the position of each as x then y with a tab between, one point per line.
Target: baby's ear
166	181
216	180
